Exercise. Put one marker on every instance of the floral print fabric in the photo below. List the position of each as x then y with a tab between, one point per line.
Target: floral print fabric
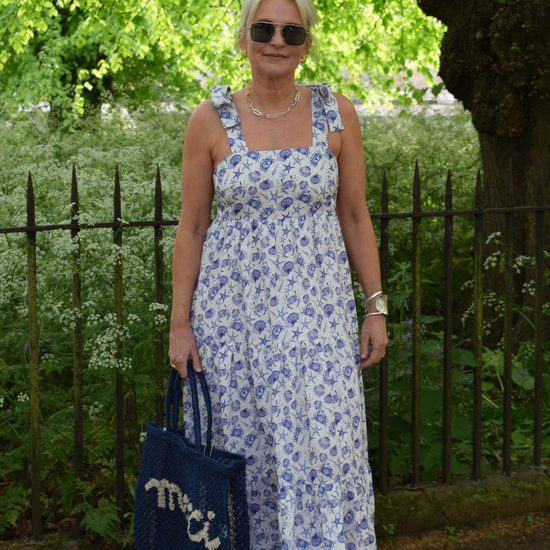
274	317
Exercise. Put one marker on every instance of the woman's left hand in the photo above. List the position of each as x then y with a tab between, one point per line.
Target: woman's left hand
373	332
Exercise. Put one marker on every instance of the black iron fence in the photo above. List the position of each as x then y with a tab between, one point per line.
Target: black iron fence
31	229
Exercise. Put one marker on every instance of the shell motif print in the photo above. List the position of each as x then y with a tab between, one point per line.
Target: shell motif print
275	321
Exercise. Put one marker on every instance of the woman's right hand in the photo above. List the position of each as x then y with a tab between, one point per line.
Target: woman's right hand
182	346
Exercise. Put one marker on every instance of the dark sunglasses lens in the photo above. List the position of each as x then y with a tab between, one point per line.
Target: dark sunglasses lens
294	35
261	33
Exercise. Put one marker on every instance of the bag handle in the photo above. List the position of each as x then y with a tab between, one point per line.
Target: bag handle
174	380
174	395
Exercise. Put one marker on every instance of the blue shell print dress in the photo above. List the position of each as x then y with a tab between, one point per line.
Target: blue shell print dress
275	322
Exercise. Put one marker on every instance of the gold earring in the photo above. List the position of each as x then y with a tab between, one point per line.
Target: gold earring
303	59
244	53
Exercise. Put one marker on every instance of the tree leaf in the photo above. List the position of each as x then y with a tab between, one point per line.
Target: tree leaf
431	400
523	379
427	319
464	357
399	297
179	50
459	468
462	428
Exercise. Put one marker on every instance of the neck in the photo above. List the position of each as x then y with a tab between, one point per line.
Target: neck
271	94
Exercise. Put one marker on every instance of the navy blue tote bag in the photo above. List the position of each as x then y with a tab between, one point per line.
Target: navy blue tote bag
189	496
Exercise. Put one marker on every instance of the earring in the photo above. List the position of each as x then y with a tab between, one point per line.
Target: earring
244	53
303	59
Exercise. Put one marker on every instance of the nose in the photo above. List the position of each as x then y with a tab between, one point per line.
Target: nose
278	39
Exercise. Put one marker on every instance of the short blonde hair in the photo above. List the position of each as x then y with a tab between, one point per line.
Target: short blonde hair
307	10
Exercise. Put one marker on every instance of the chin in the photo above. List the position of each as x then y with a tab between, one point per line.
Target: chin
276	69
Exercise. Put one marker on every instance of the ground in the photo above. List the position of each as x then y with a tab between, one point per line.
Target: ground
529	532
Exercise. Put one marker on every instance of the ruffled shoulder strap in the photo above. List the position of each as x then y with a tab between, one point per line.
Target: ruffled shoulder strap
328	103
223	101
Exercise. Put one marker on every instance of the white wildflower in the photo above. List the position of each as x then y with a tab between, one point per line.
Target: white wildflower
160	320
95	409
491	260
104	347
154	306
494	237
523	261
529	288
468	284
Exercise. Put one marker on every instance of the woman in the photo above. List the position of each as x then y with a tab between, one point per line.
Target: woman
263	297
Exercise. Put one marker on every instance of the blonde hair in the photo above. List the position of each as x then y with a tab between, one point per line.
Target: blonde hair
307	10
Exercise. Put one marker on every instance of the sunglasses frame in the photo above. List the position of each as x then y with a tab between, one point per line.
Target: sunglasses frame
275	28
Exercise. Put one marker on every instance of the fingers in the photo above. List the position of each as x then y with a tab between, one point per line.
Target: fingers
364	349
372	359
182	369
197	367
176	363
181	365
180	361
182	347
373	335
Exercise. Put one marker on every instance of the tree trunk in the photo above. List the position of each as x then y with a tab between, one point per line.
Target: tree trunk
495	58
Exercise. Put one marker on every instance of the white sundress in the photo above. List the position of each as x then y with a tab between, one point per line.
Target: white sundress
274	317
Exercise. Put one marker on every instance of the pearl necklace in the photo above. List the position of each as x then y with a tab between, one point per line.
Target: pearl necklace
259	113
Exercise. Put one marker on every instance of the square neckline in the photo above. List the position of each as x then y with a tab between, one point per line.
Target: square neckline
270	150
312	146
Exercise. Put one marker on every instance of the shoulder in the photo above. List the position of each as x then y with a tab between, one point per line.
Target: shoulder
344	104
331	98
338	108
351	136
203	122
346	108
203	113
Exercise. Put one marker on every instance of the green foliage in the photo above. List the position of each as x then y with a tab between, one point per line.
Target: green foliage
101	520
496	262
68	52
431	397
439	142
451	531
431	405
390	531
137	143
137	146
12	501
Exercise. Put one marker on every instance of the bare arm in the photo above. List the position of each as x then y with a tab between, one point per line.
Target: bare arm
357	229
197	193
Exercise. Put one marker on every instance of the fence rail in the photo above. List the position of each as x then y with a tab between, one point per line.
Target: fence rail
31	229
374	216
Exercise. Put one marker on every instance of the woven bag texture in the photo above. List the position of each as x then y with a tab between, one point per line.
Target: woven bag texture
189	496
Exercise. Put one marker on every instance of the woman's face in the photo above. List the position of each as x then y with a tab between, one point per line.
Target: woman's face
275	59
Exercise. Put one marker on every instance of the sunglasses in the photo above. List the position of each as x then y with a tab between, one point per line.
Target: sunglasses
293	35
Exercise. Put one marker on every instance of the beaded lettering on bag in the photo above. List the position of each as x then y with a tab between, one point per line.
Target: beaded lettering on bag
187	508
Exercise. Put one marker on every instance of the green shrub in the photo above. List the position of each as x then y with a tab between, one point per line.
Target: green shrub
137	144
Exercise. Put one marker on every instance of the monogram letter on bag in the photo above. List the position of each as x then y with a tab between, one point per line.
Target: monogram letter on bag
186	507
